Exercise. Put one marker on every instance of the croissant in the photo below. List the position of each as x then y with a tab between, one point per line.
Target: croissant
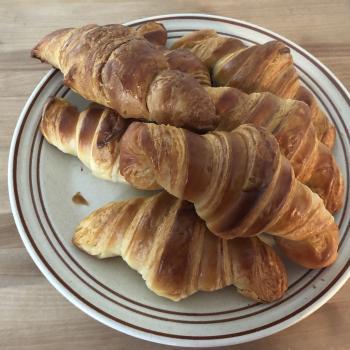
239	182
290	122
163	239
92	135
118	68
263	67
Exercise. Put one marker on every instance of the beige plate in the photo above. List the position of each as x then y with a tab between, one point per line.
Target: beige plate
43	180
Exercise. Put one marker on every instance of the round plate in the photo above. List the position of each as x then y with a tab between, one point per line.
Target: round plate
42	181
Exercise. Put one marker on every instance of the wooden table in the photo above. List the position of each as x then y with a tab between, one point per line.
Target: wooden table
33	315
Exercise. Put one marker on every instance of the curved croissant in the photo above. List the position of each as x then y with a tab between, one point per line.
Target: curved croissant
118	68
239	182
262	67
290	122
165	241
92	135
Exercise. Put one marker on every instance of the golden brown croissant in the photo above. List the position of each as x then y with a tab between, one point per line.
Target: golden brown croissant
120	69
290	122
264	67
240	183
92	135
169	245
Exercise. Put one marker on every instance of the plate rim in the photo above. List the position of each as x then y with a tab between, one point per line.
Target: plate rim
117	325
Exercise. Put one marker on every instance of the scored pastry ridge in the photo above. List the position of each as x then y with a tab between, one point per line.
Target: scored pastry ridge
170	246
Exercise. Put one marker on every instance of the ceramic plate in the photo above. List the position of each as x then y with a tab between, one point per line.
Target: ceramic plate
43	180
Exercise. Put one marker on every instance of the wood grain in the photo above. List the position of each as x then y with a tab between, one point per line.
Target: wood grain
33	315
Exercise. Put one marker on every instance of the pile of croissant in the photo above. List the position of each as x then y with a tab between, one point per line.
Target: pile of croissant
237	146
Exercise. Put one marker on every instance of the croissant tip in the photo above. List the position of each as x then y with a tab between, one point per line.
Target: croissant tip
79	235
75	240
50	100
35	53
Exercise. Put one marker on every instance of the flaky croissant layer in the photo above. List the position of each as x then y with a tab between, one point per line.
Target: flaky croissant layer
170	246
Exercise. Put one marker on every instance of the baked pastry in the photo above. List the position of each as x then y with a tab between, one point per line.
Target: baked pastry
118	68
239	182
163	239
290	122
92	135
264	67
